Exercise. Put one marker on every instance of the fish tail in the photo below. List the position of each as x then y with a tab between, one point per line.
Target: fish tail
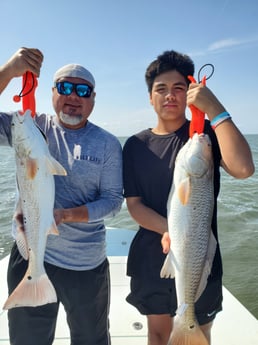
185	335
32	293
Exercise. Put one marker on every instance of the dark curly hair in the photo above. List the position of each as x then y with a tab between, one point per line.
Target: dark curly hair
168	61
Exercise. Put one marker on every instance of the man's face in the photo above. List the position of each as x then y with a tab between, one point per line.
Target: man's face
168	96
72	111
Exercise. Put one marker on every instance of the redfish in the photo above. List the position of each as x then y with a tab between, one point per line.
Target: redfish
35	168
190	209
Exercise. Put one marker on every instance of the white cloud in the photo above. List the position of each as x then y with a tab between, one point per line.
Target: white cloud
224	44
230	42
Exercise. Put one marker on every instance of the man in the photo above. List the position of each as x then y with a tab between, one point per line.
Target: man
149	158
75	261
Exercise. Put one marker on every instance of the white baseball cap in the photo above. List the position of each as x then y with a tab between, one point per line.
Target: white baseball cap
74	71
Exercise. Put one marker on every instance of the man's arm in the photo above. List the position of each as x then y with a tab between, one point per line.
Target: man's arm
145	216
236	154
25	59
110	197
69	215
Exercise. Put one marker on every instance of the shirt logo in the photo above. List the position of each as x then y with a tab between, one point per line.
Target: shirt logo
77	155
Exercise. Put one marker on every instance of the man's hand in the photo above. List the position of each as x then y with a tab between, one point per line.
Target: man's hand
59	215
25	59
165	242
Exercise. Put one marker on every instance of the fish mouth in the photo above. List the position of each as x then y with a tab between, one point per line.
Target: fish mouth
17	122
202	138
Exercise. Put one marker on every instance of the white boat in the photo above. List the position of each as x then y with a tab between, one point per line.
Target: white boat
235	325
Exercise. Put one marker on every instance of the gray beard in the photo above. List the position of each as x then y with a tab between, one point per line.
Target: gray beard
70	119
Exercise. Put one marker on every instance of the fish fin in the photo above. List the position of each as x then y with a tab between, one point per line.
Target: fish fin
53	230
20	237
181	309
31	168
32	293
212	245
167	270
184	191
54	167
184	334
22	244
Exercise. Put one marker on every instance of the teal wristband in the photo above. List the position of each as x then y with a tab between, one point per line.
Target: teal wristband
219	119
223	115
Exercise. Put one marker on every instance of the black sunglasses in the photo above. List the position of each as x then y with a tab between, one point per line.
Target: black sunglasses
66	88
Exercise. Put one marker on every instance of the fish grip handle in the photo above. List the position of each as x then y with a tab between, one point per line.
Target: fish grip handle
198	117
29	84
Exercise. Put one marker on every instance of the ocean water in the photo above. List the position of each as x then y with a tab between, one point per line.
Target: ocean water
237	218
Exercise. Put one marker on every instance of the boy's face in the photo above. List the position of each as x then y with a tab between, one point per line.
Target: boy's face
168	96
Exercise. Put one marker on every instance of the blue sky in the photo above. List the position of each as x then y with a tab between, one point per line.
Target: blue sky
117	40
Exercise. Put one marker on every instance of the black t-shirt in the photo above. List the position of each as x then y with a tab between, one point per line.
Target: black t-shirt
148	165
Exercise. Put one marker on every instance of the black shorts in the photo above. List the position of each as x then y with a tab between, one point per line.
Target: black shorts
84	294
159	297
153	295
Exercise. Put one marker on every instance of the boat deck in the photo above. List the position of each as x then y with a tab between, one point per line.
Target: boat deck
233	326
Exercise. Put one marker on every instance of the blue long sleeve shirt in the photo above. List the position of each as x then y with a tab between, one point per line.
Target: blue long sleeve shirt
92	158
